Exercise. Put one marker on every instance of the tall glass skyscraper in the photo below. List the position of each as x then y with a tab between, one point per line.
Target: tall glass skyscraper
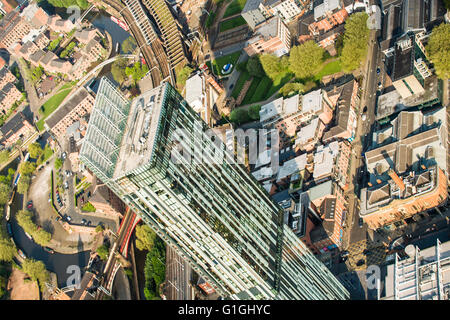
207	207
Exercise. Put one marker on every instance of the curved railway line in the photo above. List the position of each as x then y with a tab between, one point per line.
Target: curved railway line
154	54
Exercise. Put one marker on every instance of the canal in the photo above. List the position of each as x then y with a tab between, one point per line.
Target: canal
57	263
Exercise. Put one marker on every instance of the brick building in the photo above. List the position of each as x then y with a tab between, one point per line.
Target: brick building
345	98
271	36
12	29
6	6
8	96
16	128
78	105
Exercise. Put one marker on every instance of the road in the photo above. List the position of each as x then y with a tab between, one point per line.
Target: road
364	131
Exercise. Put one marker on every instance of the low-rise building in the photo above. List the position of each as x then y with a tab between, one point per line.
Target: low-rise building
78	105
271	36
309	135
333	162
16	128
106	202
12	29
345	97
8	96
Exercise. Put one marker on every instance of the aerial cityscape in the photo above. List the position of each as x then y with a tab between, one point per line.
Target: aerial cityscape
222	150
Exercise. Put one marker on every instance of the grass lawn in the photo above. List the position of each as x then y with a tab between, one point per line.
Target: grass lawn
218	64
88	207
240	84
329	68
235	7
53	103
263	88
279	81
231	23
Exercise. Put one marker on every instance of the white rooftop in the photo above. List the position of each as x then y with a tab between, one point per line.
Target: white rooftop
307	132
263	173
263	158
291	105
312	102
271	109
292	166
194	92
324	159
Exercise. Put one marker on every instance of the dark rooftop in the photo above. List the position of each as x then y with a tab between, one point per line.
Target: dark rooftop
403	63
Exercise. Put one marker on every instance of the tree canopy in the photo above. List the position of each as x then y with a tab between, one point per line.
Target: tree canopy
35	150
356	37
305	59
253	112
4	193
290	88
27	168
271	64
103	252
4	156
255	68
438	49
25	220
24	184
36	271
118	68
7	250
129	45
183	74
137	71
145	237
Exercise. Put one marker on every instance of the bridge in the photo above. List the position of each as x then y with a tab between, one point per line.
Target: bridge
102	282
104	63
85	14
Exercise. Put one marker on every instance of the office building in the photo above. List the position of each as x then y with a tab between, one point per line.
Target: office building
210	211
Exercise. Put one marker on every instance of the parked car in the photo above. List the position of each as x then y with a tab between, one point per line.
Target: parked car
84	221
66	185
30	204
345	253
378	70
69	218
360	262
22	254
367	252
64	155
361	222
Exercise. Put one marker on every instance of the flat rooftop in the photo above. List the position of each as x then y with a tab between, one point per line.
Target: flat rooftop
140	131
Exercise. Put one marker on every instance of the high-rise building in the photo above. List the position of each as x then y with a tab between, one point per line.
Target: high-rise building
207	208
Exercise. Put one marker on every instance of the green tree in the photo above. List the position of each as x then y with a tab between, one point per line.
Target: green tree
271	64
242	67
356	37
438	49
255	68
137	71
42	237
35	150
253	112
3	284
58	163
145	237
24	184
36	271
290	88
99	228
118	68
25	220
239	116
4	156
183	74
305	59
129	45
27	168
4	193
103	252
7	250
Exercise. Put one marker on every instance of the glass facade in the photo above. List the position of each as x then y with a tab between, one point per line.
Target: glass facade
209	208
